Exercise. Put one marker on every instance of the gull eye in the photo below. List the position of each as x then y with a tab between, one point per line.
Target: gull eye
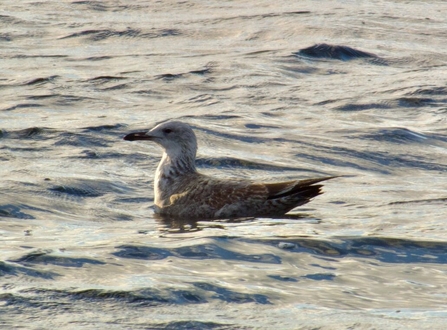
167	130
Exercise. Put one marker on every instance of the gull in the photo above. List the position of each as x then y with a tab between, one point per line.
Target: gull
180	191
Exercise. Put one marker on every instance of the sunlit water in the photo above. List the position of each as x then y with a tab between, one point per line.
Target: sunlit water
80	247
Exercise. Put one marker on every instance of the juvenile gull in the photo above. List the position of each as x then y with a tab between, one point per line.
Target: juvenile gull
182	192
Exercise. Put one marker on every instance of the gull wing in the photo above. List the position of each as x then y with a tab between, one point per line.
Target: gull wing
306	188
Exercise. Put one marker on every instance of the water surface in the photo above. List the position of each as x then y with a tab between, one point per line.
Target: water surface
274	91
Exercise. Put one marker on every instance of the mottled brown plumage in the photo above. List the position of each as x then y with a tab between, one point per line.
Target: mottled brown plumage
180	191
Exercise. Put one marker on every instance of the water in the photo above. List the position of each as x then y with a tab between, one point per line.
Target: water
80	247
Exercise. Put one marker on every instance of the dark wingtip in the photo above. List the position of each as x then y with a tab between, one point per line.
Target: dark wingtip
137	136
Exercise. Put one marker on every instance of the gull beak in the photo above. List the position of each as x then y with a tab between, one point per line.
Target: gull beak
137	136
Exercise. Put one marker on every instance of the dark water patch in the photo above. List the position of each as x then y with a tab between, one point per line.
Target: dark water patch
202	252
201	72
76	191
377	161
203	99
80	140
231	296
395	135
255	16
213	117
82	188
257	126
93	5
169	76
342	157
96	154
436	136
178	226
13	211
141	252
98	35
22	106
228	162
283	278
338	52
260	52
103	34
324	267
27	133
44	257
441	201
5	36
293	13
27	56
130	158
295	69
162	33
7	269
186	297
41	97
362	107
11	20
388	250
99	58
60	98
415	102
18	301
144	297
40	81
104	79
320	277
268	15
189	325
89	154
136	200
149	92
173	76
103	6
435	90
116	87
230	136
142	158
95	140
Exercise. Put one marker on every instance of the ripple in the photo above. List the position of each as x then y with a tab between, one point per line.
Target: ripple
103	34
76	191
13	211
7	268
41	81
201	293
338	52
83	188
104	79
388	250
229	162
44	257
395	135
231	296
30	132
202	251
22	106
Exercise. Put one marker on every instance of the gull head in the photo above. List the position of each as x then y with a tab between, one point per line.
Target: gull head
176	138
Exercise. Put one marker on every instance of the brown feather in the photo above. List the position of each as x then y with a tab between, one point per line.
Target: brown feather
282	189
